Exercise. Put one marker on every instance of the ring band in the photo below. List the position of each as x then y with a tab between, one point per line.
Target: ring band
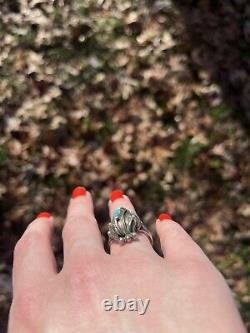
125	226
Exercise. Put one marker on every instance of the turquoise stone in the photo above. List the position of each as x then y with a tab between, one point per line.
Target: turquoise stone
117	213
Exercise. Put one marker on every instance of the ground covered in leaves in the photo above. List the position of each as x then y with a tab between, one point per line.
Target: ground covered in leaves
138	95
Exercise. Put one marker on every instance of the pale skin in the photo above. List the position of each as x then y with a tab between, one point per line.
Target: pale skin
187	293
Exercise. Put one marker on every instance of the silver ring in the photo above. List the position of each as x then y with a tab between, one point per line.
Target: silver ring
125	226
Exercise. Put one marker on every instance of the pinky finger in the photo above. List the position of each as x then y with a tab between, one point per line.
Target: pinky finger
176	244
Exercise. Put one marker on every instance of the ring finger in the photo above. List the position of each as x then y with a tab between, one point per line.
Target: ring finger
119	199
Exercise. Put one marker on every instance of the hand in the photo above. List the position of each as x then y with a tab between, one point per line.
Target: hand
187	294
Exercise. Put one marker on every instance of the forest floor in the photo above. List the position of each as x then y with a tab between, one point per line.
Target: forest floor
148	96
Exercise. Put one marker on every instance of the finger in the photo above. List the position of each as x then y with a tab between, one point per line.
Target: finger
81	233
34	261
119	199
176	244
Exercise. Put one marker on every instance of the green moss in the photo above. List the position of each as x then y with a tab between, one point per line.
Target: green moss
220	112
215	163
186	153
106	131
150	191
53	181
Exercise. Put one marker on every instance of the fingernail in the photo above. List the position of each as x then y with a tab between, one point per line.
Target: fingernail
117	194
43	214
164	216
78	192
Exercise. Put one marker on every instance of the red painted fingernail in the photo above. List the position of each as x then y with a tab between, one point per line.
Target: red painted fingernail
44	214
117	194
164	216
78	192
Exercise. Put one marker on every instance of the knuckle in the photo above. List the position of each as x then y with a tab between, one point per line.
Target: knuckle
71	228
75	248
70	231
171	231
77	218
175	230
140	259
29	238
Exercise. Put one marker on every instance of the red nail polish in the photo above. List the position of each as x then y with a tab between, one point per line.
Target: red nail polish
164	216
43	214
78	191
116	194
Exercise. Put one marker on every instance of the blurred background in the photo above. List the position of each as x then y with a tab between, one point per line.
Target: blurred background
152	97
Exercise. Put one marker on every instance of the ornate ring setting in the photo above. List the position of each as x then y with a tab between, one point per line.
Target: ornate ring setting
125	226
